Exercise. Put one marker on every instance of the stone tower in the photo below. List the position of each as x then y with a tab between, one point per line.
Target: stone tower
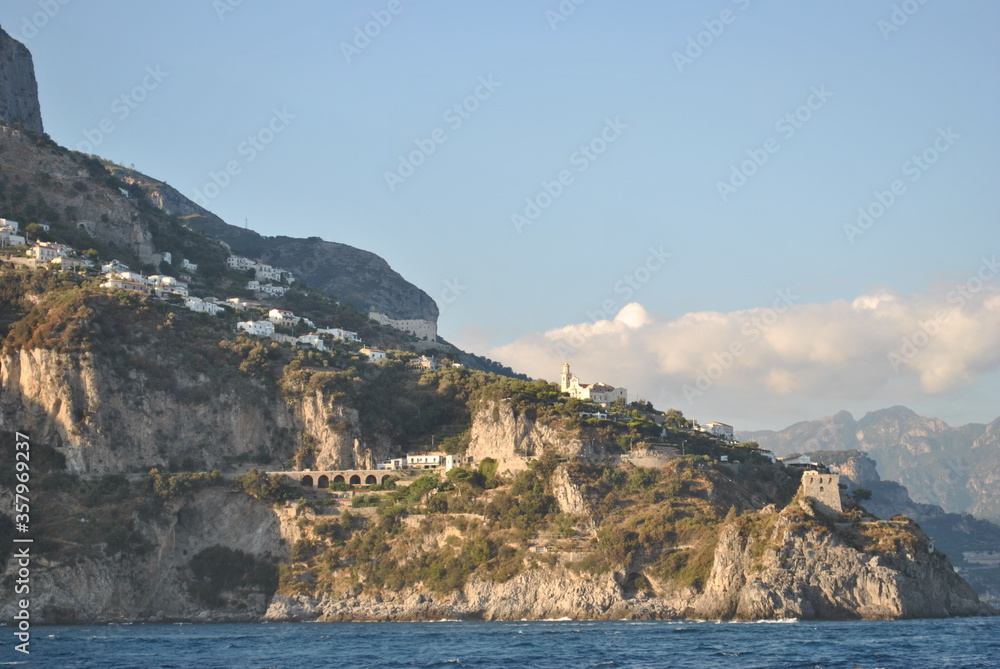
824	490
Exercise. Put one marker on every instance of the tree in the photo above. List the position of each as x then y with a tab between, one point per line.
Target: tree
861	494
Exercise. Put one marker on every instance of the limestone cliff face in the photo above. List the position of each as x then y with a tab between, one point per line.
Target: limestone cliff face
18	88
154	585
805	571
512	438
104	420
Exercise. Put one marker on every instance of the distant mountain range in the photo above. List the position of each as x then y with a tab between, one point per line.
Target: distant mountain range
957	468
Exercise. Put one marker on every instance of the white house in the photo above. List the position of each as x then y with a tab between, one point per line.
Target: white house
720	430
374	354
9	233
599	393
256	328
314	340
239	304
65	262
239	262
267	273
271	289
168	257
49	251
283	317
253	284
337	333
114	267
188	265
200	306
425	460
125	284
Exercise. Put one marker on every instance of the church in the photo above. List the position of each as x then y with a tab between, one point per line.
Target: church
599	393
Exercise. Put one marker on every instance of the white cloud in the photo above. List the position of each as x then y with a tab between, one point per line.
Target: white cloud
879	349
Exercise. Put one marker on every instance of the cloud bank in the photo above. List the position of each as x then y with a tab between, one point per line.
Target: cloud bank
879	349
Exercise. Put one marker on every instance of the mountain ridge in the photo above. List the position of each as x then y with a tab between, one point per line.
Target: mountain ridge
957	468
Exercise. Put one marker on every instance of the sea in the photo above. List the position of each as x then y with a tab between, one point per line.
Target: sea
968	643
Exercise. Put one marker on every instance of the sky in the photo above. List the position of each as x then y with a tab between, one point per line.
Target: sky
757	212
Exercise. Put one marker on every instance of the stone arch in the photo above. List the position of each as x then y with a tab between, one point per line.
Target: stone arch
355	479
386	477
371	479
307	481
323	481
339	478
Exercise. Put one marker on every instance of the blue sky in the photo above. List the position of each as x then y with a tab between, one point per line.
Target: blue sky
818	107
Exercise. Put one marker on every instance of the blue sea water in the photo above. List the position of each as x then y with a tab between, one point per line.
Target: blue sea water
968	643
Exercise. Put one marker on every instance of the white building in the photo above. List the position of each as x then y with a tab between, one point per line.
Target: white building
283	317
239	304
9	233
421	329
425	460
239	262
200	306
337	333
125	284
7	223
113	267
253	284
167	257
188	265
256	328
374	354
314	340
65	262
49	251
271	289
720	430
267	273
599	393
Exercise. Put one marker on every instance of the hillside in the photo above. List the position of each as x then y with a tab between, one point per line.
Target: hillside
955	468
357	277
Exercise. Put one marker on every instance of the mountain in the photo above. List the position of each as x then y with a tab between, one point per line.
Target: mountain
18	87
955	468
352	275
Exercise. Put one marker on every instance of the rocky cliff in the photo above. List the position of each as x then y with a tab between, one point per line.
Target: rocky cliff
18	88
785	565
513	438
170	569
